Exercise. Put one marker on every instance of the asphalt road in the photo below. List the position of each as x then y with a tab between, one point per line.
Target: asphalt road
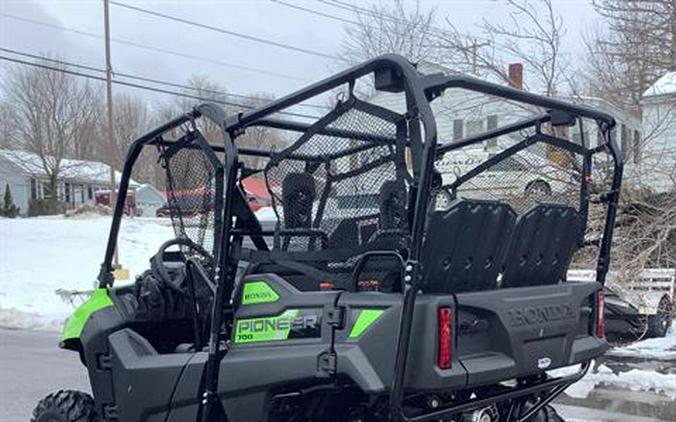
32	366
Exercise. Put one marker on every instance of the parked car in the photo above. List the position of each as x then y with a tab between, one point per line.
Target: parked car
102	197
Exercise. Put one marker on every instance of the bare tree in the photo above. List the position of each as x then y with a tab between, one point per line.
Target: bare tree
51	112
388	27
532	35
259	137
6	128
636	45
129	122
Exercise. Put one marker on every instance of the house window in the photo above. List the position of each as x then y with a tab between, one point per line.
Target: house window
475	127
46	191
492	123
458	129
67	192
90	192
637	147
626	146
34	189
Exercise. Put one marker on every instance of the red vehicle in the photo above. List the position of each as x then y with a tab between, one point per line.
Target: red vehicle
102	197
191	201
256	193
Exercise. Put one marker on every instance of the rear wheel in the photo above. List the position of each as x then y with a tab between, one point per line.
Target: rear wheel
658	324
65	406
548	414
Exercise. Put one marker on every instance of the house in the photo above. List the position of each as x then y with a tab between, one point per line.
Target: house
461	113
78	180
656	169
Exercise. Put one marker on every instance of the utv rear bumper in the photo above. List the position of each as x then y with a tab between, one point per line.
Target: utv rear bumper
498	335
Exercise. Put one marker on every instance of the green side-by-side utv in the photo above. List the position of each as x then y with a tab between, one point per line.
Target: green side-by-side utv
382	289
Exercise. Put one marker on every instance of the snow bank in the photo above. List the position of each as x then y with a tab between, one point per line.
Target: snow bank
41	255
634	380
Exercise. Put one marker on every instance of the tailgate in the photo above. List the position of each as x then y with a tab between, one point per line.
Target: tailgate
516	332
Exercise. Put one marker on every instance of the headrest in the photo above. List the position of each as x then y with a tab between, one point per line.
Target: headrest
298	194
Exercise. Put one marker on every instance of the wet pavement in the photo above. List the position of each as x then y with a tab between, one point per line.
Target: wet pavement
610	403
31	365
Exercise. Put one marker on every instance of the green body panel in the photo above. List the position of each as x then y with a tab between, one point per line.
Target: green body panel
365	319
76	322
258	292
253	330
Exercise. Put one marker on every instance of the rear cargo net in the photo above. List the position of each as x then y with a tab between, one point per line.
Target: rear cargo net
341	187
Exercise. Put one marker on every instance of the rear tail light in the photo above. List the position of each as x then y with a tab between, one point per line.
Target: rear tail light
445	320
600	308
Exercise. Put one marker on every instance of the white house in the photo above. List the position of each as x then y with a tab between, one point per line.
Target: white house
78	179
461	113
656	168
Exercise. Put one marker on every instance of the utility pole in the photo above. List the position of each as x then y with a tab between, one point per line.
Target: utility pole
475	46
109	122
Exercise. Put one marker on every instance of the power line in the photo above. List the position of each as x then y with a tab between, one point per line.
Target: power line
434	31
145	87
316	12
153	48
362	10
145	79
225	31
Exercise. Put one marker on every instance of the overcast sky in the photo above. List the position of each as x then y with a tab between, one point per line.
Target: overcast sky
260	18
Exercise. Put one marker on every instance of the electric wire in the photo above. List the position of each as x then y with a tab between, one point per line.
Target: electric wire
146	79
145	87
224	31
153	48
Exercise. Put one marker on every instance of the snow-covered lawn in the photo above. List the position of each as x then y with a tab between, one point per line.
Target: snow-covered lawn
41	255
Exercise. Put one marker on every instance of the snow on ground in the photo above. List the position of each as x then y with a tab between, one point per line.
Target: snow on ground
41	255
634	380
655	348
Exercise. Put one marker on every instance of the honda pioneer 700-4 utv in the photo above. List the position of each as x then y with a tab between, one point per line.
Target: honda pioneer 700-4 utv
384	289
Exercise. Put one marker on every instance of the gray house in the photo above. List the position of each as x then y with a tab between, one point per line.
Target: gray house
656	167
461	113
78	179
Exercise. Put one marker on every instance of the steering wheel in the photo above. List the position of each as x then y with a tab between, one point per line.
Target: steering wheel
160	270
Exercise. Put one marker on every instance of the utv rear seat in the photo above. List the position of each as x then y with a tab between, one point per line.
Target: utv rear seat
544	241
465	246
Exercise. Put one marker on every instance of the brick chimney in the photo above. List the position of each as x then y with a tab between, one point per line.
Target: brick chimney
515	72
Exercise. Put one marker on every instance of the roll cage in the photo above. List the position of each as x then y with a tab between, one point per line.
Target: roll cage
418	134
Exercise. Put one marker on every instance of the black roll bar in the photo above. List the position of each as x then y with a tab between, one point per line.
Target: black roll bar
105	278
437	83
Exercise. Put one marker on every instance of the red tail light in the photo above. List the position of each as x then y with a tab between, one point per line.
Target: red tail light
600	308
445	320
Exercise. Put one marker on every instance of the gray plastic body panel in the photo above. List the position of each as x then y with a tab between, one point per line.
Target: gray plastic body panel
498	335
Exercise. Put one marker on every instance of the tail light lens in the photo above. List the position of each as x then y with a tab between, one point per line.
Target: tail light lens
445	320
600	309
